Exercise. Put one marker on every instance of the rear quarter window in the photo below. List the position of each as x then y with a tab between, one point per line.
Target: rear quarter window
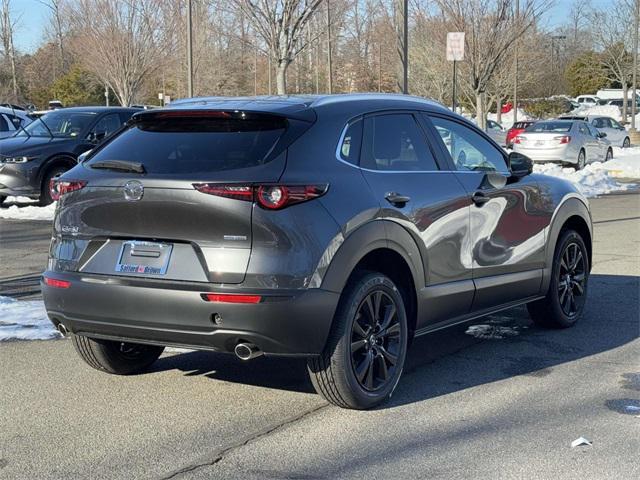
195	142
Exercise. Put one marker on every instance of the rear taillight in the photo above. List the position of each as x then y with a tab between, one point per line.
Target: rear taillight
55	283
231	298
57	187
518	139
271	197
563	139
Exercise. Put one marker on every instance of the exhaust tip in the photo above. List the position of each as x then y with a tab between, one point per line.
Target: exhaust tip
63	330
247	351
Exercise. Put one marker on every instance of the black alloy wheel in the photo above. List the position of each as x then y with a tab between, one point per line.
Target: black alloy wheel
571	280
375	341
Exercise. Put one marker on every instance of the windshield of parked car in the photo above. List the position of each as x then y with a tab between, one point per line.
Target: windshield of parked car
59	124
549	127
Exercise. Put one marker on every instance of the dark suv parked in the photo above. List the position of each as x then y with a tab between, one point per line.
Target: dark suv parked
50	145
335	228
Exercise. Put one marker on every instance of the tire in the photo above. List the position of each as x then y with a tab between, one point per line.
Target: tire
551	311
582	160
609	155
626	143
2	199
45	193
350	373
117	358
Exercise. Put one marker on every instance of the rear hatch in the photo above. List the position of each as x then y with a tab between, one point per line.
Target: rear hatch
136	211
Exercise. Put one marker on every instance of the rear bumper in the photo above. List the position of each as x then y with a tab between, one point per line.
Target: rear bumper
561	154
284	323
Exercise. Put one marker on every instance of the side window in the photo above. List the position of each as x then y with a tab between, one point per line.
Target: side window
592	131
600	123
469	150
395	142
582	128
615	124
4	125
350	146
105	126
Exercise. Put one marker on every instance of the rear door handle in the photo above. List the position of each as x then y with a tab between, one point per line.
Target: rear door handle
396	199
480	198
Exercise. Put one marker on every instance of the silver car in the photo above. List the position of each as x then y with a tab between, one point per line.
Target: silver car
11	120
497	132
616	133
571	142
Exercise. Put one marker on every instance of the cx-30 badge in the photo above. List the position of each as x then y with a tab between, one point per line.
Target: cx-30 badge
133	190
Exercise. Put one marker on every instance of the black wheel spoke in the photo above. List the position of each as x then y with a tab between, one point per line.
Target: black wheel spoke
578	287
357	345
371	310
389	357
392	331
357	328
389	314
384	371
364	367
369	379
377	300
563	292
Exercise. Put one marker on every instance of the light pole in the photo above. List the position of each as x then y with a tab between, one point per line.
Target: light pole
405	47
634	82
515	67
189	52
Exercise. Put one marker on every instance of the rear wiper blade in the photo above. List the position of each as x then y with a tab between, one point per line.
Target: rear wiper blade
121	165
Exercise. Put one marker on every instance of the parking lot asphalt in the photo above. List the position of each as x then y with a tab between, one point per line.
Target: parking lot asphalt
507	406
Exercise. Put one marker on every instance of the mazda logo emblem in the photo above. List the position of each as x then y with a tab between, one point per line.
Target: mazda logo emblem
133	190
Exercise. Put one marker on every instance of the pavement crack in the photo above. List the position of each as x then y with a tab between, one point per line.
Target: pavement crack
220	454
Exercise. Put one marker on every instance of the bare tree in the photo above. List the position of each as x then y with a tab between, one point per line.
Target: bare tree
612	33
6	34
55	6
490	32
281	25
118	42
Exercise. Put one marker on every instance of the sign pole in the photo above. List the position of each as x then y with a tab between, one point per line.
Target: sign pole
454	87
455	53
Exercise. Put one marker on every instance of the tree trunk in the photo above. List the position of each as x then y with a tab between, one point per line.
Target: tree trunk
499	110
281	77
625	93
481	115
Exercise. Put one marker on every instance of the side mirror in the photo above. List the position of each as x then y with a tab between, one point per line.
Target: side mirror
520	165
601	134
84	155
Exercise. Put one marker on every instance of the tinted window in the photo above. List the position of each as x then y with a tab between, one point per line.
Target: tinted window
469	150
582	128
395	143
4	125
549	127
350	146
172	143
106	126
60	123
615	124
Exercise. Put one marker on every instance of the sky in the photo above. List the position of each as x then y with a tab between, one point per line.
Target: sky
33	18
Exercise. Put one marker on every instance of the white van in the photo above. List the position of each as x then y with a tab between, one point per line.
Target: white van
587	100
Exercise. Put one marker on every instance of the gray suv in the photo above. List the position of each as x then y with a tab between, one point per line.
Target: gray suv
335	228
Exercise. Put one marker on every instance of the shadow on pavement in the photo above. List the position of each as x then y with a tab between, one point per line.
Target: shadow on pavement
504	345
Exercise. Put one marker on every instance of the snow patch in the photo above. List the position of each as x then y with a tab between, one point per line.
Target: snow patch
625	163
506	119
25	320
29	212
594	179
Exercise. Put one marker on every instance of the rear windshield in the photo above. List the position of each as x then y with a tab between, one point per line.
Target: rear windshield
549	127
179	142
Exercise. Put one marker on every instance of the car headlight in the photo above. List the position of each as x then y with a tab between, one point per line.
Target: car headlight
21	159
